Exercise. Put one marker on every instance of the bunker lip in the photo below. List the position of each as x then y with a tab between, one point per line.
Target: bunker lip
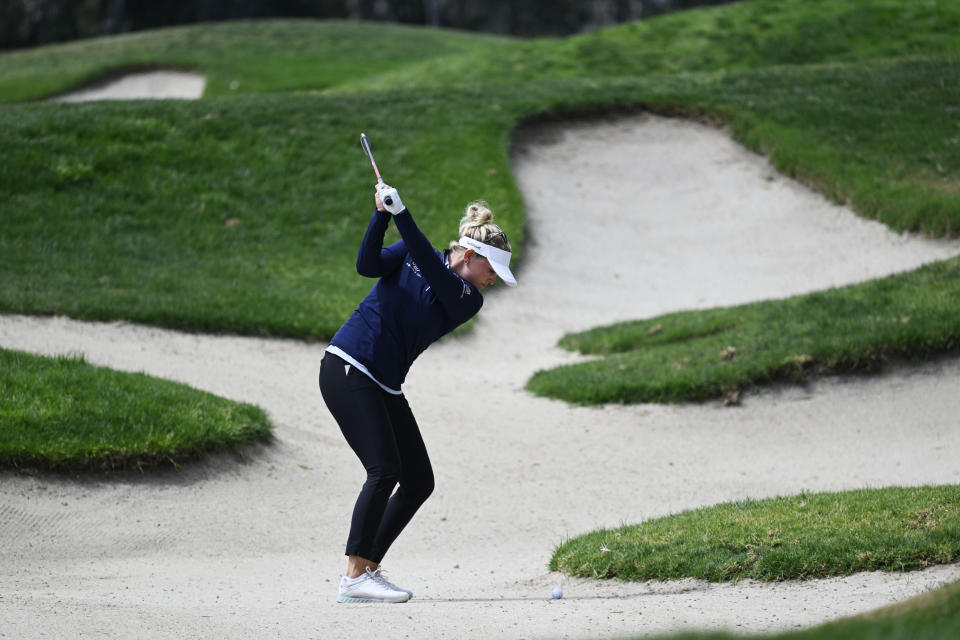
256	548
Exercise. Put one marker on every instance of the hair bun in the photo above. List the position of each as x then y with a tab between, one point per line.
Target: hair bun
476	216
477	223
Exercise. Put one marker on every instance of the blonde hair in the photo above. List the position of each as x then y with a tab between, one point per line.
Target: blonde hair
477	223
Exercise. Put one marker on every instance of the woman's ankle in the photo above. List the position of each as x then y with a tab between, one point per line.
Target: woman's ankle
357	566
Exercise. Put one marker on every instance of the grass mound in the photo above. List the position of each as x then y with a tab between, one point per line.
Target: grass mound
812	535
930	616
237	57
737	36
65	414
234	215
695	356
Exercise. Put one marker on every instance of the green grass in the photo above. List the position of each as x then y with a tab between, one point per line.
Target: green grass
813	535
242	214
930	616
229	214
285	55
685	356
257	55
744	35
64	414
805	536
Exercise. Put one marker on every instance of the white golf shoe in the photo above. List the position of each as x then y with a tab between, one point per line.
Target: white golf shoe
370	587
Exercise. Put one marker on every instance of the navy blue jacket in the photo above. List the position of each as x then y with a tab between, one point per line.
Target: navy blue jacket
416	300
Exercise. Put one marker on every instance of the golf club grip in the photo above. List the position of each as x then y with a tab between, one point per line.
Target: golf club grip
388	201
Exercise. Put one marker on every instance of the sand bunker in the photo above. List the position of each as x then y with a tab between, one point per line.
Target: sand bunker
154	85
627	218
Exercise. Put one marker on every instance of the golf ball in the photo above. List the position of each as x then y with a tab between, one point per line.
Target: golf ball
557	593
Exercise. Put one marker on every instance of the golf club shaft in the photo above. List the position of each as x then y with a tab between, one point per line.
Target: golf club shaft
366	147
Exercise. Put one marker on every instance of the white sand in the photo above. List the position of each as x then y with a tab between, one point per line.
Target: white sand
628	218
149	85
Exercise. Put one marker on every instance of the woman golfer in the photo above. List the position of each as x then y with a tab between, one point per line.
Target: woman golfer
421	295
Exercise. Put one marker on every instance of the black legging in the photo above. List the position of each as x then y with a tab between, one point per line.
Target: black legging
382	431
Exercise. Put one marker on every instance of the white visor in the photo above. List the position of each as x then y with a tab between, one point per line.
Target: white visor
498	258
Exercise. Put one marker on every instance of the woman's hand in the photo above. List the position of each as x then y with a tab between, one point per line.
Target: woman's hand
388	199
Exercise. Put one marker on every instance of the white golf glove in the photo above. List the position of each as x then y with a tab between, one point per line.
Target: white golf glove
390	199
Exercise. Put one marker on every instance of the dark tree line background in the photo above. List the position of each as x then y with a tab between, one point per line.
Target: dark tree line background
27	23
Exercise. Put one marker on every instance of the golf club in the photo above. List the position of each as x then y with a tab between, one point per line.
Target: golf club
366	147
